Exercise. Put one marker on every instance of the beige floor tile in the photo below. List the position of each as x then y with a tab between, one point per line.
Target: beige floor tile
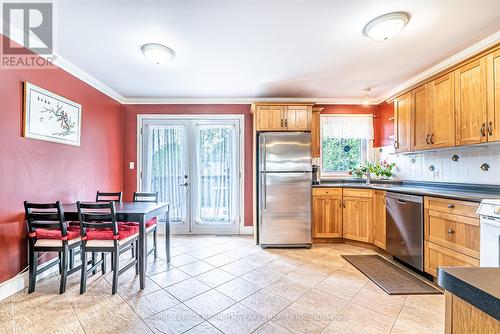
307	278
187	289
157	266
266	303
131	288
7	315
421	314
343	284
272	328
169	277
196	268
177	319
279	267
299	320
150	304
204	328
321	267
237	289
215	277
209	303
355	319
389	305
182	259
322	304
237	319
238	267
287	288
261	277
219	260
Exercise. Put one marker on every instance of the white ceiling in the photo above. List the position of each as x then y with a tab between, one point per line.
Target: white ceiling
264	48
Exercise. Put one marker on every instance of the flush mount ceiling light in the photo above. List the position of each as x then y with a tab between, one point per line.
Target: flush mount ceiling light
366	96
386	26
157	53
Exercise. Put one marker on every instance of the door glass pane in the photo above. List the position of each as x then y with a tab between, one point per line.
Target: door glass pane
167	168
216	174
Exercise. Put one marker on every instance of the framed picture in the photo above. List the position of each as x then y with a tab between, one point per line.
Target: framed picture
48	116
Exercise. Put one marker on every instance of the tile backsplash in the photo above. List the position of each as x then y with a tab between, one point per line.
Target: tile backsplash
467	169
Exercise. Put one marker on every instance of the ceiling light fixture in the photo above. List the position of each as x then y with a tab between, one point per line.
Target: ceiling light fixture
386	26
366	96
157	53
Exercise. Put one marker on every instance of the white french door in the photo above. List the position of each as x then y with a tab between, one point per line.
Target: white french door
194	164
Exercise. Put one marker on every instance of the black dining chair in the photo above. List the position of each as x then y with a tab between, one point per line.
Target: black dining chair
49	232
152	224
108	196
100	232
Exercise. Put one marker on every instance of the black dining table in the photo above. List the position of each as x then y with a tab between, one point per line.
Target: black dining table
139	212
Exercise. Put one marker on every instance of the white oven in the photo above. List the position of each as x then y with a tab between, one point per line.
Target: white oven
489	212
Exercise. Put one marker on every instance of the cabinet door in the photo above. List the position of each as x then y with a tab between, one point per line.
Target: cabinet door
422	119
379	232
357	218
493	86
315	133
443	111
269	118
402	122
298	118
470	102
327	216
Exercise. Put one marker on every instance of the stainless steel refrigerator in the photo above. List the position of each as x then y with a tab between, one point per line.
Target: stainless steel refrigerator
284	189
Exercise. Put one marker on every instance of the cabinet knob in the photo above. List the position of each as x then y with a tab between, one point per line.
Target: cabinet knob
497	210
450	231
451	206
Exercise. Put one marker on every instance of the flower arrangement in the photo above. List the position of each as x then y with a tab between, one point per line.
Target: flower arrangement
382	169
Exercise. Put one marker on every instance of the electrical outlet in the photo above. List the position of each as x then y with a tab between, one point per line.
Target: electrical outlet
131	165
436	174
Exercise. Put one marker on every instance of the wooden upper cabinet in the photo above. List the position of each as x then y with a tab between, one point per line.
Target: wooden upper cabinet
442	95
421	118
379	216
402	122
315	132
269	118
470	102
298	118
327	213
493	84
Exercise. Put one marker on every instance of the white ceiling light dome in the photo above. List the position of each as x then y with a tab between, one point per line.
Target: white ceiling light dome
386	26
157	53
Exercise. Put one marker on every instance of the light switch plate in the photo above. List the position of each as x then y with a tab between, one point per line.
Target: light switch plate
131	165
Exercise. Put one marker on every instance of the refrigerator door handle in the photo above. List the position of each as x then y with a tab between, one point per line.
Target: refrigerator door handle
264	186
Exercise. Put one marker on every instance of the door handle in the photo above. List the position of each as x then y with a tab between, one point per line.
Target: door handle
400	201
282	122
431	139
490	128
427	140
483	130
286	123
184	184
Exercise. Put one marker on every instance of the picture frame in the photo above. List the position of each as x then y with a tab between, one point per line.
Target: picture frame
50	117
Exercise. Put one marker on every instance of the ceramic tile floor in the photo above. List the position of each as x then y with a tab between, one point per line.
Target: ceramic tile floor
227	284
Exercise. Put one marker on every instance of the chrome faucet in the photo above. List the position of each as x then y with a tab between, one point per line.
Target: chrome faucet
368	180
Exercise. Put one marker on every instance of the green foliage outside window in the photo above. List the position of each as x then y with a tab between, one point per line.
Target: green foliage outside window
341	154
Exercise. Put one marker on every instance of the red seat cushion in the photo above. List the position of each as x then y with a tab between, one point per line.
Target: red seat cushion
45	233
124	231
149	223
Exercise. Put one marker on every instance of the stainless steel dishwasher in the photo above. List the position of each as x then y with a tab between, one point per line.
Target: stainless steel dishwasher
405	228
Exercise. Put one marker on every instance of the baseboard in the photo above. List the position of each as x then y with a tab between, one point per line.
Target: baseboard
19	282
246	230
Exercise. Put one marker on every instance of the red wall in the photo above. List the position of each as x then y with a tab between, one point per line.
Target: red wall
41	171
384	125
130	113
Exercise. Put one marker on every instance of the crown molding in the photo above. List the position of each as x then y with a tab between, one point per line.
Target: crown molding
445	64
16	35
243	100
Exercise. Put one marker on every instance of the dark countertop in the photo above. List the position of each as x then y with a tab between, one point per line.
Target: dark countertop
477	286
466	192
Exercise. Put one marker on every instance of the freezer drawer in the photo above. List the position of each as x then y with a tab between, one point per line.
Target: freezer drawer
285	209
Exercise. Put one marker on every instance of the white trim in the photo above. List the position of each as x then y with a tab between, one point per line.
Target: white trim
246	229
239	117
20	281
453	60
244	100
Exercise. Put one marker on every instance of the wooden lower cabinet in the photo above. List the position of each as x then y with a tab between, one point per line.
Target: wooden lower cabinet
327	215
438	256
464	318
379	232
357	218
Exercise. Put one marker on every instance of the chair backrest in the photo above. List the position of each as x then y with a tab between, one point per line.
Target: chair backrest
45	215
146	197
97	215
108	196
